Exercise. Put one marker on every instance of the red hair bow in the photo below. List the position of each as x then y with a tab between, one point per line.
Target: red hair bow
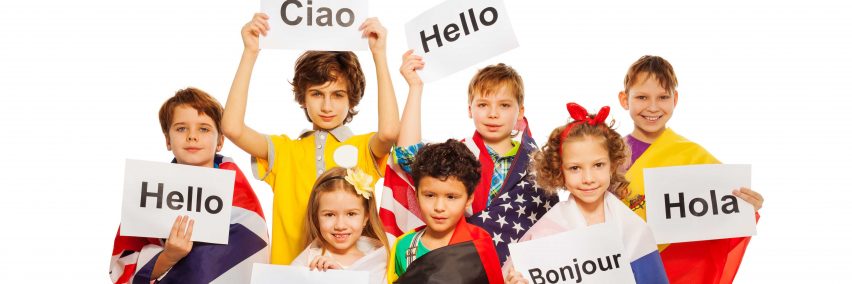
581	115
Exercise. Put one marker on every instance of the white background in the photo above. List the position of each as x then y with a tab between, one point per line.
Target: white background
762	83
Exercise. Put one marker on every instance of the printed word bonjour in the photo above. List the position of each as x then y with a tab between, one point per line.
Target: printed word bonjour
576	272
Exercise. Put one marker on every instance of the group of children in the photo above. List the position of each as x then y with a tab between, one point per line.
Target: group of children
453	207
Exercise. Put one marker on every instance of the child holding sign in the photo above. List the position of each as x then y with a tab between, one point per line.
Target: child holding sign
496	105
447	249
650	95
191	122
583	157
343	226
328	86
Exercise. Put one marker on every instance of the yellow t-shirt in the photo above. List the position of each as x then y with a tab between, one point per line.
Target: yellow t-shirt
295	166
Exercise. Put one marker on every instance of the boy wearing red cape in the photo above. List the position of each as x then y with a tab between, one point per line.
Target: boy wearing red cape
447	249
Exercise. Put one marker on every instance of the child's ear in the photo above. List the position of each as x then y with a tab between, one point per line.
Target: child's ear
469	201
675	98
168	143
220	143
622	99
521	113
469	114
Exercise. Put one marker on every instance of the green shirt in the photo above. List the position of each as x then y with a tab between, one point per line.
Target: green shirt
402	245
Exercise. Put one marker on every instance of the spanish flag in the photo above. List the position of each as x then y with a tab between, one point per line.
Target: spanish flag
712	261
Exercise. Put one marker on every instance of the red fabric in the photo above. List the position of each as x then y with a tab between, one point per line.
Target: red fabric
484	247
244	196
712	262
480	194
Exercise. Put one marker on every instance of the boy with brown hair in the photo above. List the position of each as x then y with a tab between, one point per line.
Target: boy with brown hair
650	95
506	201
328	85
190	121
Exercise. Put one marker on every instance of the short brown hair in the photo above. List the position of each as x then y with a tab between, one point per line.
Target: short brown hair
318	67
653	65
196	99
547	163
489	79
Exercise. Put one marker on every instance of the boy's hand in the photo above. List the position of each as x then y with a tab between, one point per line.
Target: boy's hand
323	263
376	34
515	277
750	196
410	64
251	31
179	242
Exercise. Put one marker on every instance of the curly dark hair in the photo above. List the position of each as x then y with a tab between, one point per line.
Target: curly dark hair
547	163
444	160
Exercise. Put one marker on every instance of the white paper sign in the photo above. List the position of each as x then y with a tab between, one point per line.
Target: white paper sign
694	203
458	34
156	193
594	254
275	274
314	24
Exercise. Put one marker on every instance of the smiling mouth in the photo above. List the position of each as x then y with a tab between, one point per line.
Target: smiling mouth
340	237
652	118
192	150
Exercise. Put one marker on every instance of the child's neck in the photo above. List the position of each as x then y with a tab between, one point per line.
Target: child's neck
647	137
592	212
435	240
346	257
501	147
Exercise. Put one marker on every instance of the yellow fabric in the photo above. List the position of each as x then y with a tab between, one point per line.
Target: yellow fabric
292	176
669	150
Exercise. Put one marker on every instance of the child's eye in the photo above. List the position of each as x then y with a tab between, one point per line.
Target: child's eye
350	214
181	129
641	98
505	105
573	168
328	214
665	97
205	130
599	165
316	94
339	95
480	105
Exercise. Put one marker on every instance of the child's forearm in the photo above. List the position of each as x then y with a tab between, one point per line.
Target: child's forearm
162	265
409	132
388	128
233	119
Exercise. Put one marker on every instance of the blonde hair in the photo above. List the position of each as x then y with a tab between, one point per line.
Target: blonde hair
489	80
330	181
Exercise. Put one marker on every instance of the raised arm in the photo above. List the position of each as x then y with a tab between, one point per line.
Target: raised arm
233	120
388	130
409	133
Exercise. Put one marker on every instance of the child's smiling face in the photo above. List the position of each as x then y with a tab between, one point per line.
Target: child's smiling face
650	106
341	217
587	168
193	137
494	115
328	104
442	203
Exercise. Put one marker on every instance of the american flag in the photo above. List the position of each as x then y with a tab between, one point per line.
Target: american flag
517	206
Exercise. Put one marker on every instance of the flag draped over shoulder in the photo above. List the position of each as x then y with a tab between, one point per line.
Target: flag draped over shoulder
639	244
712	261
516	207
133	258
470	257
